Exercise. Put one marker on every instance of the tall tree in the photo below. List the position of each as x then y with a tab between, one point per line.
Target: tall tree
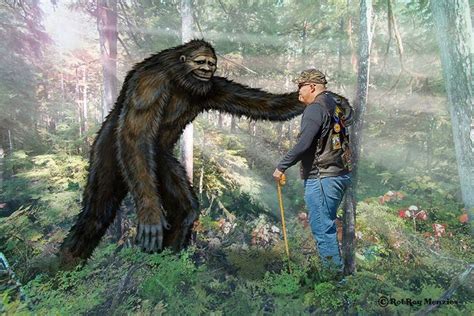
365	38
85	126
108	38
456	43
107	27
23	43
187	138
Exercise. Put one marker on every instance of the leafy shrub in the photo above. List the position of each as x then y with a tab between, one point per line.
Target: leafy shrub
283	283
171	274
325	296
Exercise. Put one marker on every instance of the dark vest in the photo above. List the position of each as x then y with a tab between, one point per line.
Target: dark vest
331	148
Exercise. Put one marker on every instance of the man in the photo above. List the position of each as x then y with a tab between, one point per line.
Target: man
323	149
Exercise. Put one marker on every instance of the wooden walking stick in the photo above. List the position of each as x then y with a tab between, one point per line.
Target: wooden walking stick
280	201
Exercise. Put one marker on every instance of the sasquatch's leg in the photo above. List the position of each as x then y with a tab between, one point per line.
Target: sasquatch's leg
179	201
104	191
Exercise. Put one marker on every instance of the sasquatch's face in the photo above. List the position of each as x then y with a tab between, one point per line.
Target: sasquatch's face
201	64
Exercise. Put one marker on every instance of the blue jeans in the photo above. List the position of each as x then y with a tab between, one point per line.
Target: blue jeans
322	197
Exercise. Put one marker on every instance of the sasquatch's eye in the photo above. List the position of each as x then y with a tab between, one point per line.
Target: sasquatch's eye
211	64
200	62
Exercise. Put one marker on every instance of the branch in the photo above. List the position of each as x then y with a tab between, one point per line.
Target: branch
237	64
223	7
389	22
456	282
125	48
129	24
398	38
222	56
226	212
121	290
197	23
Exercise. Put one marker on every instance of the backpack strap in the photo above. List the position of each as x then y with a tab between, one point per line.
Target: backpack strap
347	110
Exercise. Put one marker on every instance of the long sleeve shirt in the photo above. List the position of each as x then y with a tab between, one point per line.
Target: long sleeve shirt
311	123
313	148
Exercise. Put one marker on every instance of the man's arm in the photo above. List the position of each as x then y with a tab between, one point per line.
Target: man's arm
310	125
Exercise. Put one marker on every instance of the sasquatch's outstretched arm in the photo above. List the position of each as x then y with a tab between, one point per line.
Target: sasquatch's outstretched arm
139	123
238	99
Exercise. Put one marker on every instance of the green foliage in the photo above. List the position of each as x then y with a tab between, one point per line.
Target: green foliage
67	293
36	176
12	307
45	189
242	301
283	283
173	274
252	264
407	146
324	296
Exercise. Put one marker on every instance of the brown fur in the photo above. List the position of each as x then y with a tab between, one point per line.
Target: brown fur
133	149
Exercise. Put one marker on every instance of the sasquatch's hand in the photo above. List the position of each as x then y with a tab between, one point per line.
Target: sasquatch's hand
150	230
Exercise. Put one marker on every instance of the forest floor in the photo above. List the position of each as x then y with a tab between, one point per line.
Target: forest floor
413	243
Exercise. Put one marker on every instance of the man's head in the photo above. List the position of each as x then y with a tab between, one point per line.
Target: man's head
311	82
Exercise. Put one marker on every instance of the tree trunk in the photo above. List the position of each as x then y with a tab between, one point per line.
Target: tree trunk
63	93
233	124
77	100
220	121
304	36
280	133
454	32
187	138
84	126
289	133
84	100
10	142
351	42
108	37
2	155
360	104
107	27
339	52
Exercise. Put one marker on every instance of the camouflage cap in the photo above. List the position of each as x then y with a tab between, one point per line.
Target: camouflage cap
311	75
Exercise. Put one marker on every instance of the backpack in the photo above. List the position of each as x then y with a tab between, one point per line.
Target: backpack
334	144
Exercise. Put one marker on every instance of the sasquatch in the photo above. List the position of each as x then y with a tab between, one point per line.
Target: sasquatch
133	149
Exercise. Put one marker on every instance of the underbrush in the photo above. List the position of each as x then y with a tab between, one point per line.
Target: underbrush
238	264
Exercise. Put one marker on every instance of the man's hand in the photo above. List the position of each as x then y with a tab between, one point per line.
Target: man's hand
277	174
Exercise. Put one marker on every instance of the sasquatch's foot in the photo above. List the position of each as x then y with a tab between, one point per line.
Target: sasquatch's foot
186	231
150	236
67	261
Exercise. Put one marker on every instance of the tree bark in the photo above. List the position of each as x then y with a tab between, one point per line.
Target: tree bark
289	133
107	27
351	42
339	52
10	142
220	122
187	138
453	24
2	155
84	100
233	124
108	35
360	104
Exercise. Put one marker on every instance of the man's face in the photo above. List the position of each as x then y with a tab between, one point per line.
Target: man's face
306	90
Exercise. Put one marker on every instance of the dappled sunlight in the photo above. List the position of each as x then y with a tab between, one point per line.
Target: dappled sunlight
63	68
